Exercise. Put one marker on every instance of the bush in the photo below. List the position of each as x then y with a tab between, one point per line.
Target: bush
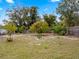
11	28
39	27
59	29
21	29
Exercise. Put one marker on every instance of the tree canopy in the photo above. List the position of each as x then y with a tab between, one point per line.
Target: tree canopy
69	10
50	19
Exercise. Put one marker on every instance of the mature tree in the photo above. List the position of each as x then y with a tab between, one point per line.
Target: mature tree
19	16
69	10
50	19
5	21
33	14
23	17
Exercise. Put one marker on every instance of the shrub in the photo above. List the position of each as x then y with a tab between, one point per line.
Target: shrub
45	46
59	29
11	28
39	27
21	29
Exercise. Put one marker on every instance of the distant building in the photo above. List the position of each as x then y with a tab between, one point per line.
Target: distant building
74	31
3	31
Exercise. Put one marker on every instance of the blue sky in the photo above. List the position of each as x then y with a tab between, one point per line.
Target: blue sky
44	6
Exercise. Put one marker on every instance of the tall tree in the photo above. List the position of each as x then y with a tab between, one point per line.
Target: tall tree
23	16
50	19
69	10
18	15
33	14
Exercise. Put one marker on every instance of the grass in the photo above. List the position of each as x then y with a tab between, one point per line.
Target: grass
49	47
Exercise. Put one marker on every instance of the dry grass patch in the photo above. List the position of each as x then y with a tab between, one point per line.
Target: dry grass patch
48	47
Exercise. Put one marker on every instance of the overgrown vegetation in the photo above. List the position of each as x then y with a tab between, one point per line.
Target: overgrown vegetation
59	29
21	29
28	18
11	28
39	27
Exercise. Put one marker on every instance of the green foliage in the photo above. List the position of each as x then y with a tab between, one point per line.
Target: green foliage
33	14
21	15
1	26
18	14
69	10
39	27
10	27
21	29
50	19
45	46
59	29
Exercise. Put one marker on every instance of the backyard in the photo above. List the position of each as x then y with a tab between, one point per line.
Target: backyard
27	46
39	29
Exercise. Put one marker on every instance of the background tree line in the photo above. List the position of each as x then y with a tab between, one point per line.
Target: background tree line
27	19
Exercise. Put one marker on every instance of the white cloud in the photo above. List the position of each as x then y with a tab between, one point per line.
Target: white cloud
54	0
10	1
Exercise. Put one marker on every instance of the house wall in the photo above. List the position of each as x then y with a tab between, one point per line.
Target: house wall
74	31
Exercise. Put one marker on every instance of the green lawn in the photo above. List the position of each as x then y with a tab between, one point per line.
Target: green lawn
49	47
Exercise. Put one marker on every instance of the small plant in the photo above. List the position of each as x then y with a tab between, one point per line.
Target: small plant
45	46
11	28
9	40
39	35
